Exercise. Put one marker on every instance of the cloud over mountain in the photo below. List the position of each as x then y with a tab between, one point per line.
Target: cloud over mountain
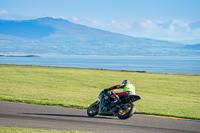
171	30
59	36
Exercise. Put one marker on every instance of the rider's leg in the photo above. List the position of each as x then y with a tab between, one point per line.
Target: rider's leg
116	98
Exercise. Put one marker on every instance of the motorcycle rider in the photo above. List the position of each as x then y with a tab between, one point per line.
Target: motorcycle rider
128	88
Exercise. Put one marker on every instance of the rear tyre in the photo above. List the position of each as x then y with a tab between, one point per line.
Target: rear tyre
93	109
128	112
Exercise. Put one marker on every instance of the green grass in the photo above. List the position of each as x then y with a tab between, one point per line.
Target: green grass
162	94
31	130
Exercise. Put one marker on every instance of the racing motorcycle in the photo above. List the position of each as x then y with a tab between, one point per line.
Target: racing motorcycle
106	106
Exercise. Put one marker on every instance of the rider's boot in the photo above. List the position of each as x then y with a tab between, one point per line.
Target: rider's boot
117	103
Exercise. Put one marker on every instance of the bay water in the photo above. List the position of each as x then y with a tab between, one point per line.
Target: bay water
190	65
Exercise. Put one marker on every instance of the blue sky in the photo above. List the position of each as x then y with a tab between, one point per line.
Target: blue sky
172	20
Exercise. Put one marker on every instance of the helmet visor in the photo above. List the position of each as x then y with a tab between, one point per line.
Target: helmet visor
124	82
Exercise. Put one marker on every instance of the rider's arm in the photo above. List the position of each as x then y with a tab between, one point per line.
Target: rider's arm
117	87
114	87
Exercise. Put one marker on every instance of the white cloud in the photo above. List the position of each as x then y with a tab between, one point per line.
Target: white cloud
111	25
171	27
98	24
81	21
73	18
2	12
173	30
181	24
120	25
148	24
150	27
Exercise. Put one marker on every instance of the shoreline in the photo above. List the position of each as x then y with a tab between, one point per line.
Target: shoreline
136	71
42	55
19	56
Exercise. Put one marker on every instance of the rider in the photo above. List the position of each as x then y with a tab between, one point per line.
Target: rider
128	88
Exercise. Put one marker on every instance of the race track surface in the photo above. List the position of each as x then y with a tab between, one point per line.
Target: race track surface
59	118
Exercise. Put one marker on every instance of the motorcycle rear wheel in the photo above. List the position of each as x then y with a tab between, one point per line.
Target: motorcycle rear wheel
93	109
125	114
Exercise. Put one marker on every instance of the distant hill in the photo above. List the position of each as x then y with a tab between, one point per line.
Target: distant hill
57	36
25	29
192	47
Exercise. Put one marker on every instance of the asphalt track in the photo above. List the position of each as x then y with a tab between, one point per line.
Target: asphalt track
59	118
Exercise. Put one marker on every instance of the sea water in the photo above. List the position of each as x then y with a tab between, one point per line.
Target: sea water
189	65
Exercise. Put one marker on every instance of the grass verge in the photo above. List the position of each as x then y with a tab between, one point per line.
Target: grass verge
162	94
31	130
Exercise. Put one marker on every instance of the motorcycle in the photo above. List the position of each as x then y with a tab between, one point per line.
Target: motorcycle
106	106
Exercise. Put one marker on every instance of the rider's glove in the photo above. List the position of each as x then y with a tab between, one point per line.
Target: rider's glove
121	85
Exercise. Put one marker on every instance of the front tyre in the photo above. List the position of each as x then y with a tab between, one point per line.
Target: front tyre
93	109
126	113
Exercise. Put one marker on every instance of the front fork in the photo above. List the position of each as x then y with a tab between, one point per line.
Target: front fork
100	106
100	103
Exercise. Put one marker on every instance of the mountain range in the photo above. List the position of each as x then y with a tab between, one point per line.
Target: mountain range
58	36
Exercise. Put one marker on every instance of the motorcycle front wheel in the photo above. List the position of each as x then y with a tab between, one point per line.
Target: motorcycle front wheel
93	109
126	113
